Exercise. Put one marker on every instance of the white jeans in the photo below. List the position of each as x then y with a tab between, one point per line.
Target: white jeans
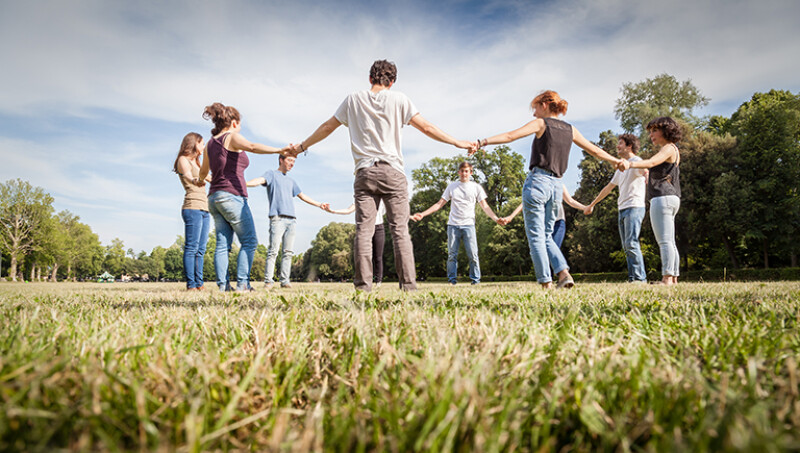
662	217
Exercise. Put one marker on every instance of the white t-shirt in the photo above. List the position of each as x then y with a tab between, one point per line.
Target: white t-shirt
462	197
381	213
631	186
375	121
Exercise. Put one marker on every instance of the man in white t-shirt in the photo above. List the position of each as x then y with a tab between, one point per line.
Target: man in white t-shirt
375	118
461	223
632	184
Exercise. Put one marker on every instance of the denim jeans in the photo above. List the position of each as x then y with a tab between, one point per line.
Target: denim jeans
281	230
630	225
559	230
232	215
196	224
455	235
662	217
541	194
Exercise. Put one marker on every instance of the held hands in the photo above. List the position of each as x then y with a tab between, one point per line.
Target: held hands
471	147
417	217
325	206
589	209
623	165
503	221
199	182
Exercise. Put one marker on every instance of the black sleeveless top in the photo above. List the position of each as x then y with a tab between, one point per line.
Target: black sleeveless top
665	179
551	150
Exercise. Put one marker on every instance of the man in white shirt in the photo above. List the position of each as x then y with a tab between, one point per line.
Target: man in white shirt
461	223
375	118
632	185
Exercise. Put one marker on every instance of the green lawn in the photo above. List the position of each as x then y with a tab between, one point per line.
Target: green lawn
506	366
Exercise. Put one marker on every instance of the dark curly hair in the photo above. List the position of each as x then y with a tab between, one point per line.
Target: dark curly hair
383	73
669	128
632	141
221	115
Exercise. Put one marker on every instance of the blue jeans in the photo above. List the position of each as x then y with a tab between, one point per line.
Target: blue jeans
662	217
232	215
559	230
196	224
455	235
541	194
630	225
281	229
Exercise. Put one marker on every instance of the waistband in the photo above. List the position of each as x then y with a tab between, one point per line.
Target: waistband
542	171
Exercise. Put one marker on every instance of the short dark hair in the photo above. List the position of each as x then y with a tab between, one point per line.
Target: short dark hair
632	141
383	73
669	128
465	164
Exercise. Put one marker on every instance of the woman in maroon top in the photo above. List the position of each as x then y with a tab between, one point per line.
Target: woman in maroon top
225	156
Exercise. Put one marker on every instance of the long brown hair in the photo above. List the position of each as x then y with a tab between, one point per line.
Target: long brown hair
221	115
188	146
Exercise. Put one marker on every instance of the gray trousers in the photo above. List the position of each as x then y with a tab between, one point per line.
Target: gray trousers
373	184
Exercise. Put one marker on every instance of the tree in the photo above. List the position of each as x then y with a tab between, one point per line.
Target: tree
114	260
24	209
331	253
662	95
767	128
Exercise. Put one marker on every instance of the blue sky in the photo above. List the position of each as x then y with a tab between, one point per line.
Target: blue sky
97	95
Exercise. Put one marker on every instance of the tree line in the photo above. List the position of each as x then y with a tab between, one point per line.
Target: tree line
740	205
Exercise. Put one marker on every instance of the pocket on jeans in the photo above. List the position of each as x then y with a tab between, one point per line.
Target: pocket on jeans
537	192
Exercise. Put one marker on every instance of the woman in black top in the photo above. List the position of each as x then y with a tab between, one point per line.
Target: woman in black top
664	192
542	191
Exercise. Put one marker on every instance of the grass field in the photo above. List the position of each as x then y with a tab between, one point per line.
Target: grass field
504	367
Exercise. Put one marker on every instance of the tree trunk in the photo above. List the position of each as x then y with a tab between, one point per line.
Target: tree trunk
33	272
731	251
766	255
54	275
13	269
793	257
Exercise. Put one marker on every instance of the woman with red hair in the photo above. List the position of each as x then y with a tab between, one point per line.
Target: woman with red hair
541	193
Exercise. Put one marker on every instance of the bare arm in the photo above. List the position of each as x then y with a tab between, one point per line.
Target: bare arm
603	193
566	197
204	168
591	148
507	219
435	207
313	202
488	210
255	182
661	156
323	131
349	210
427	128
533	127
185	170
239	143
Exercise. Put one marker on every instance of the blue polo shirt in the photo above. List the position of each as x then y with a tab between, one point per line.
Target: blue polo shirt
280	191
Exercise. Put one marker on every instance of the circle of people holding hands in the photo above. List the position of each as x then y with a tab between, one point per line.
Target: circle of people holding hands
375	118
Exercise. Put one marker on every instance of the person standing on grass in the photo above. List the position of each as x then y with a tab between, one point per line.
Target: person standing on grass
378	240
375	118
225	156
664	192
281	189
560	225
541	193
194	211
630	204
461	223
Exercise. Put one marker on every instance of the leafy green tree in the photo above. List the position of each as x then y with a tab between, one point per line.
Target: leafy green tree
24	210
114	260
173	263
663	95
331	253
767	128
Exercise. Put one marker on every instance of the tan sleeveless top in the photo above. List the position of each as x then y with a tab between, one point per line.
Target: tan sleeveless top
195	197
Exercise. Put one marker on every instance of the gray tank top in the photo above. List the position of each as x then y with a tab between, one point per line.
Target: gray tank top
665	179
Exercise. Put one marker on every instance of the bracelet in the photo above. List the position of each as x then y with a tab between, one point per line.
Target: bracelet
303	149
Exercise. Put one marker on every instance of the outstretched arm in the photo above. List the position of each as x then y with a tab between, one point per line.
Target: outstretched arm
427	128
571	201
323	131
593	149
312	202
662	155
507	219
349	210
435	207
488	210
255	182
603	193
242	144
533	127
